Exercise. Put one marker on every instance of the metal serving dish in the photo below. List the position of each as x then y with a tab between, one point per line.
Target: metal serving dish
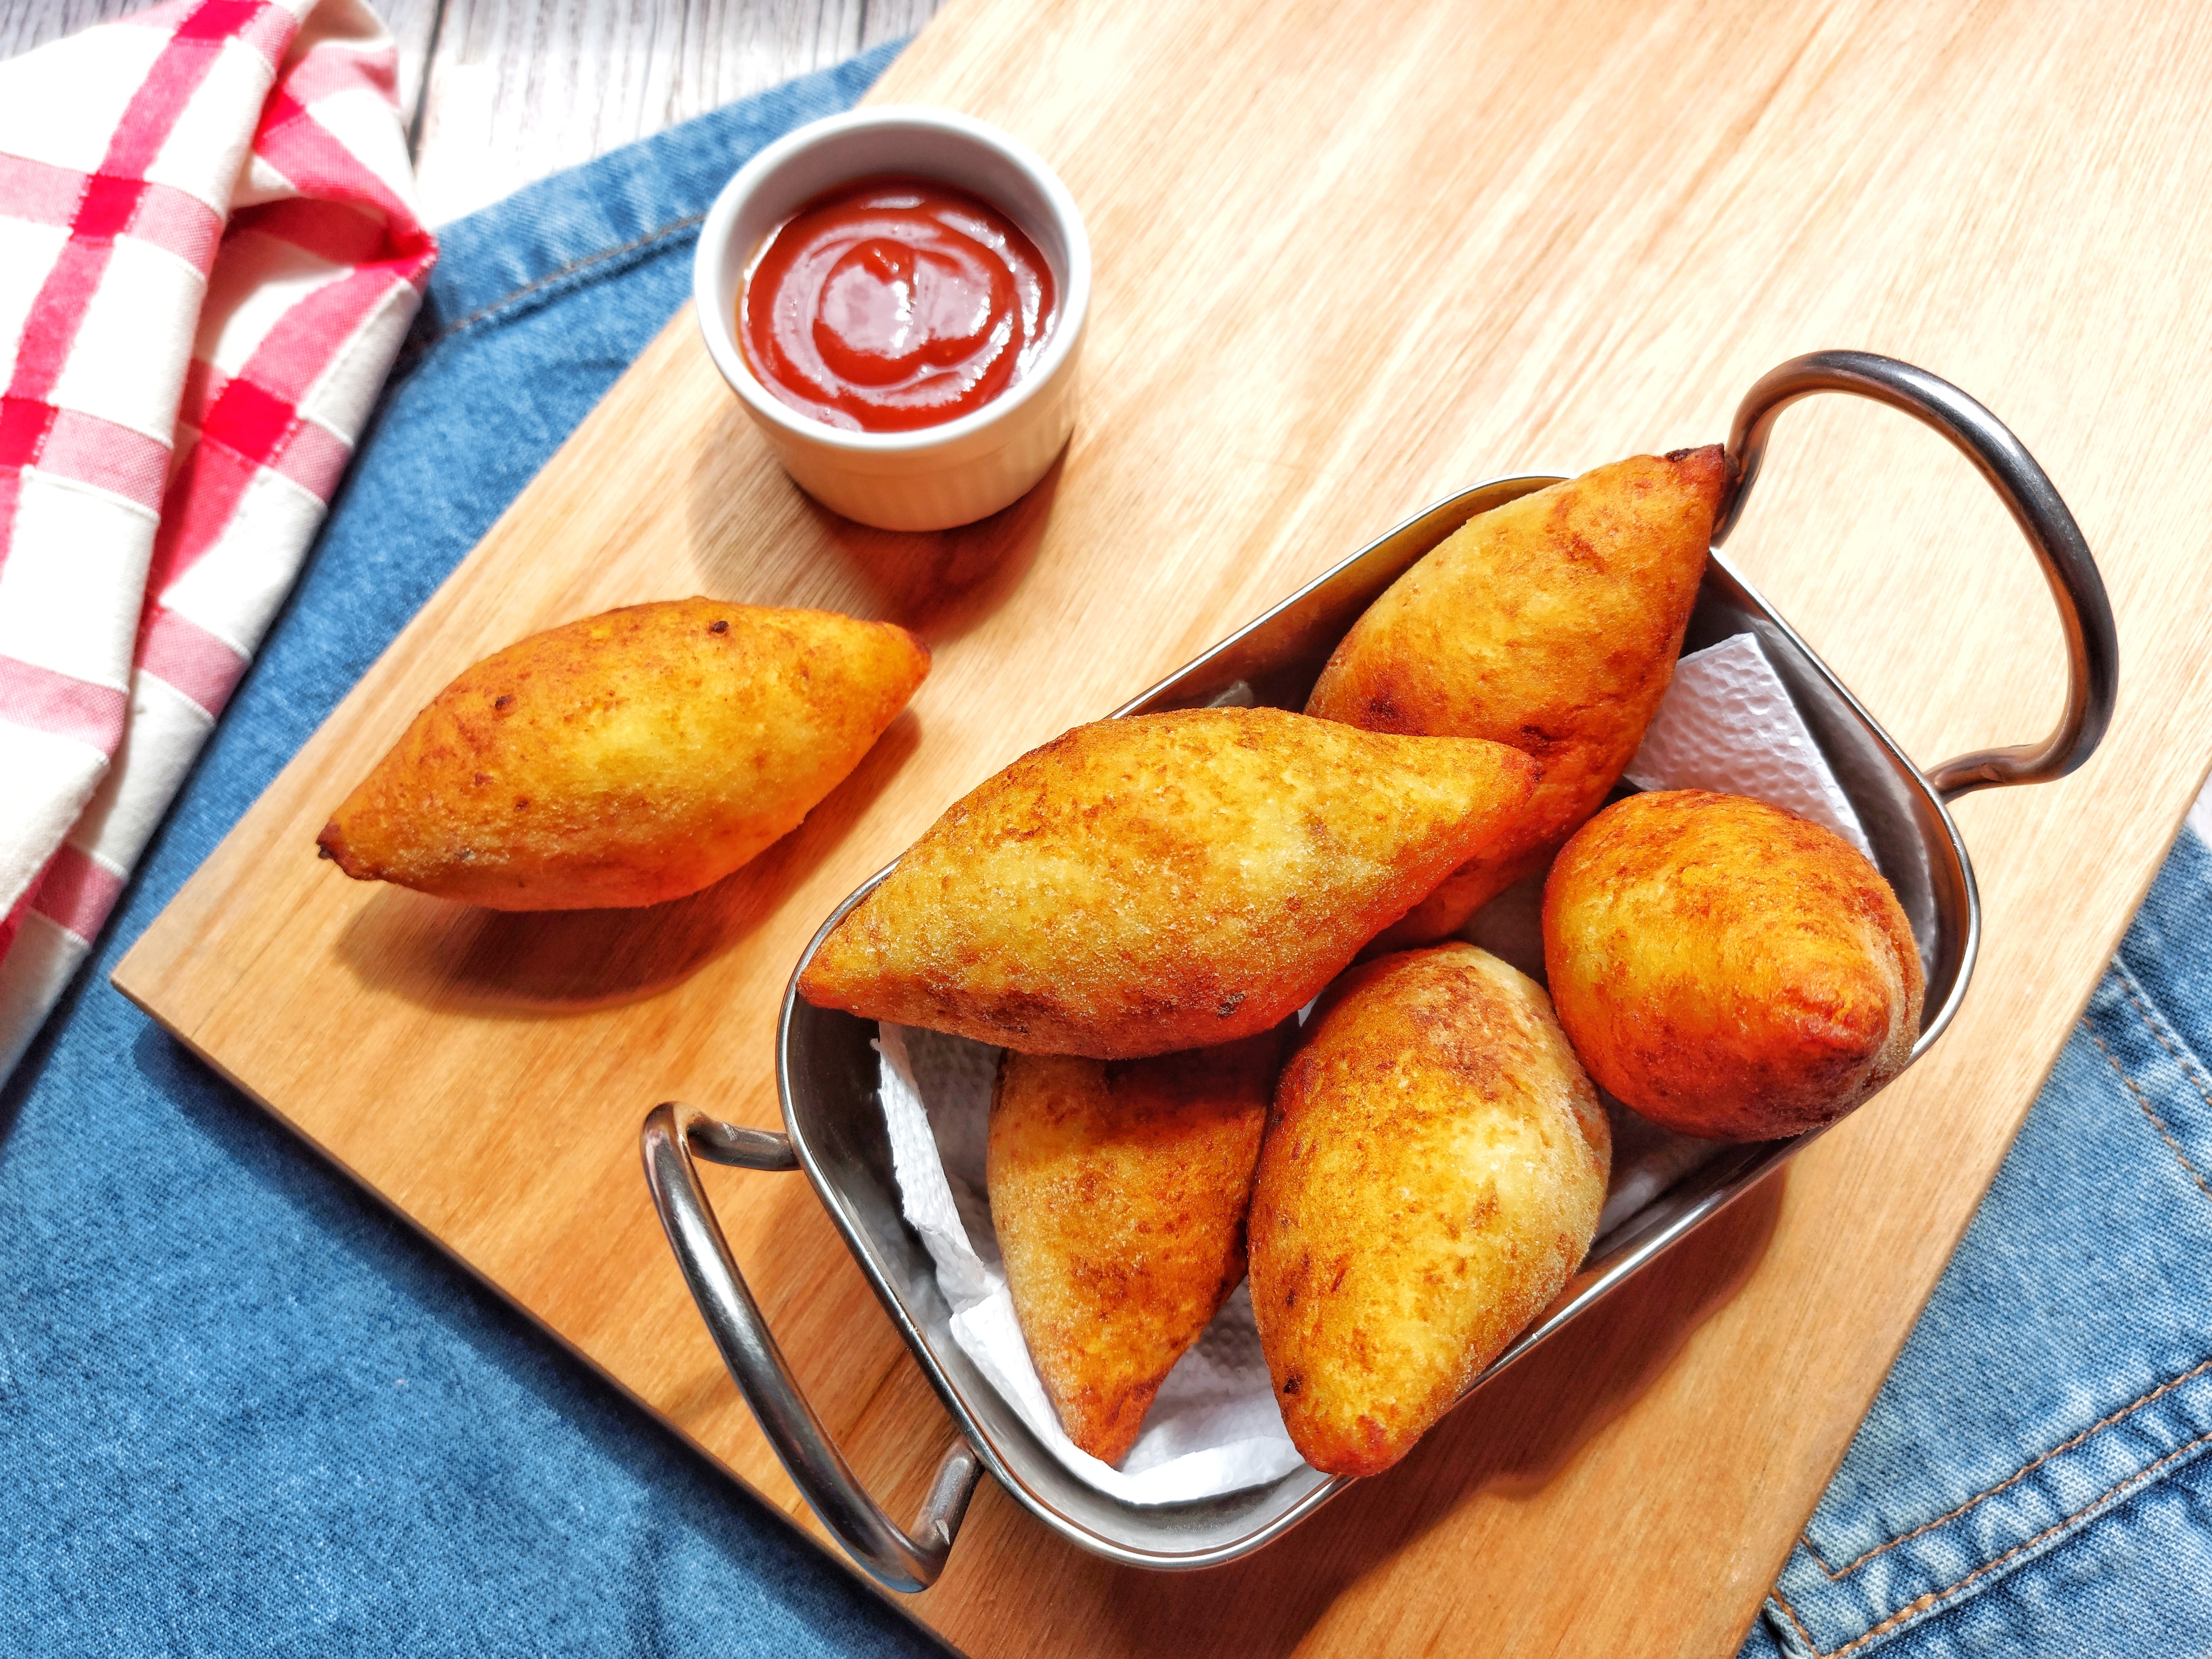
826	1071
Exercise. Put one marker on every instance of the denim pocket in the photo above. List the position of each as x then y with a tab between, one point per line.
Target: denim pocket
2063	1366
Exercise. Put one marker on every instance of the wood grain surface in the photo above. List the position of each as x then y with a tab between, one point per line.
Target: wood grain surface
498	92
414	25
516	89
1349	256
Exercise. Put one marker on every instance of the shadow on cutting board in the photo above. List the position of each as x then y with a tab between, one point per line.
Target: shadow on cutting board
532	963
754	535
941	583
1510	1440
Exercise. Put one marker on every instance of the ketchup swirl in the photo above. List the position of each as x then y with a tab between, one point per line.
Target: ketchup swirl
894	303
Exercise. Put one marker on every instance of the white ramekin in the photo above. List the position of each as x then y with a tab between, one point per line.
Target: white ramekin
934	477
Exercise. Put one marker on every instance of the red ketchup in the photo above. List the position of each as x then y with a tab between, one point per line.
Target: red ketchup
894	303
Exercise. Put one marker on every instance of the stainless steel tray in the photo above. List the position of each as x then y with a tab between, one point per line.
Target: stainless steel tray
826	1071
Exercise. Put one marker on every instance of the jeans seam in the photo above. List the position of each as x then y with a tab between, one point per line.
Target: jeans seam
1837	1575
1921	1604
2157	1122
2192	1069
597	257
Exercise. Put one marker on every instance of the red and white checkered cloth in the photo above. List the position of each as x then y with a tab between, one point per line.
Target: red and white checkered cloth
210	254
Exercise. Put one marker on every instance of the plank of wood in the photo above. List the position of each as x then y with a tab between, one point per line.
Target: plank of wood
27	23
518	88
1348	259
414	26
500	93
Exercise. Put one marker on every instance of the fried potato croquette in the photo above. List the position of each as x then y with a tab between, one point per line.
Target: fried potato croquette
1551	623
1118	1191
627	758
1170	881
1434	1167
1726	968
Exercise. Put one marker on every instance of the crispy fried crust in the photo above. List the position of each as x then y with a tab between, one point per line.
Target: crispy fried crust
1171	881
1118	1190
627	758
1551	623
1726	968
1432	1175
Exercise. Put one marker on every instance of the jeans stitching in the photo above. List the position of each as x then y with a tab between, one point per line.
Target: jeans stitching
2192	1069
2156	1121
569	270
1837	1575
1920	1605
1806	1636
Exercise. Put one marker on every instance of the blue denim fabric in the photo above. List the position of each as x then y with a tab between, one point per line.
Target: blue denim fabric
2033	1478
243	1409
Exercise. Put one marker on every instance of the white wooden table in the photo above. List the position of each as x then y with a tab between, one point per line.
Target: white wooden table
500	92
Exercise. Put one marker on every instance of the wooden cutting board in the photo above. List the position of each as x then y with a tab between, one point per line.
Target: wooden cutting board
1350	257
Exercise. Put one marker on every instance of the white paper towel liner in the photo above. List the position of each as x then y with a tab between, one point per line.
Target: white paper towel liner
1726	723
1213	1428
1696	740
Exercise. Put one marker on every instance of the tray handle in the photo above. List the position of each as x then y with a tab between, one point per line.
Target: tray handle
901	1559
2093	648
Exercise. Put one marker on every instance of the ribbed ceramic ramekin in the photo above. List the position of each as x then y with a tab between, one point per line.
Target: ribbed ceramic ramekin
935	477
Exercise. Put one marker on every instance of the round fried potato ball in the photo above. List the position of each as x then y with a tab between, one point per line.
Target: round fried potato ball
1726	968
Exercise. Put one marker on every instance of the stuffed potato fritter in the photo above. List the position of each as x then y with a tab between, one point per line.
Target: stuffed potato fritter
1118	1192
1170	881
627	758
1551	623
1434	1167
1726	968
